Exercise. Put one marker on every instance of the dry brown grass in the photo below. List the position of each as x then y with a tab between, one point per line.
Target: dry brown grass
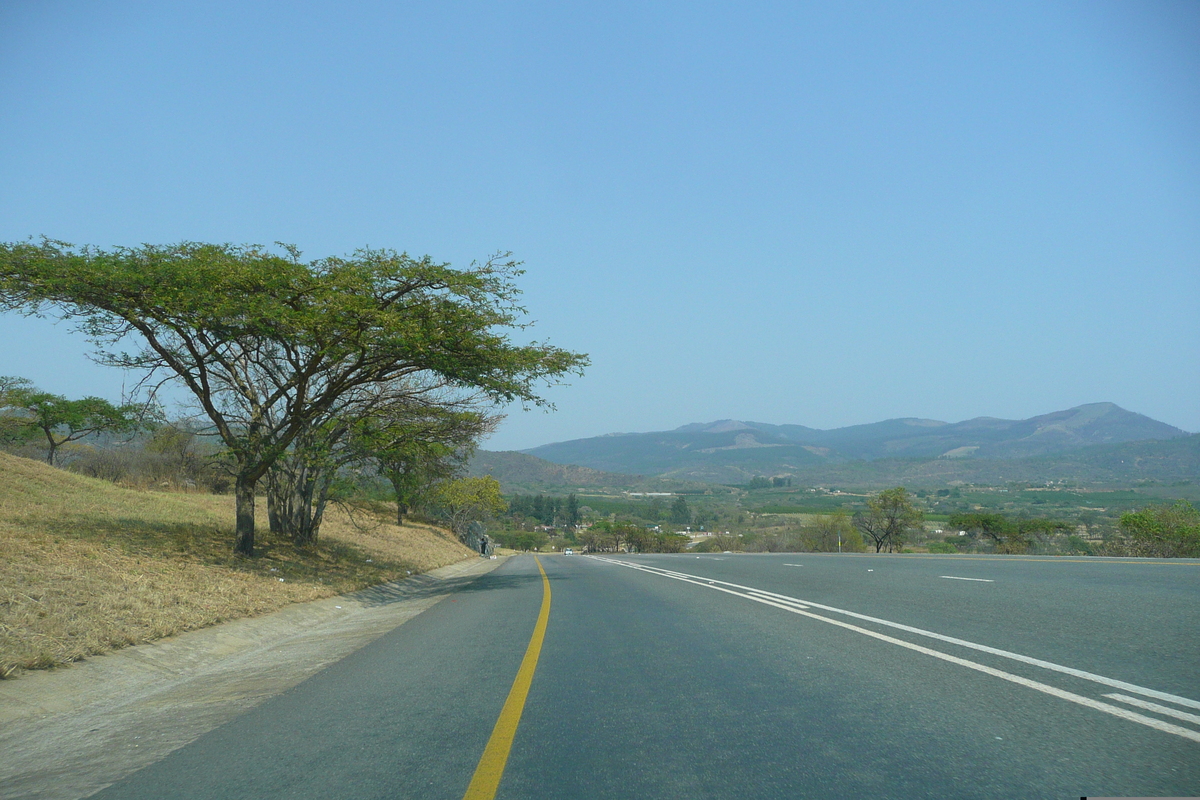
87	567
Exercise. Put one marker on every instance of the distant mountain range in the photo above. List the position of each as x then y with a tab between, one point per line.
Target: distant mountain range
732	451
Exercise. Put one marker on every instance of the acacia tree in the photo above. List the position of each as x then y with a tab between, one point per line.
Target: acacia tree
889	517
58	420
429	446
466	500
269	345
1164	531
1010	536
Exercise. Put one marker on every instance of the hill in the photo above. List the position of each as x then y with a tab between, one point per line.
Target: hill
521	473
87	566
733	450
1123	464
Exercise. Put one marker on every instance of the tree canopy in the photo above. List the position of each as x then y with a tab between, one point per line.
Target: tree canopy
889	518
26	411
1165	531
466	500
1011	536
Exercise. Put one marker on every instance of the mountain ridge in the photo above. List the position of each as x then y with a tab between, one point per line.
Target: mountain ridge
731	447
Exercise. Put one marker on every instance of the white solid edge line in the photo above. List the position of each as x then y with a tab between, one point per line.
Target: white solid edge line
1170	712
956	578
1037	662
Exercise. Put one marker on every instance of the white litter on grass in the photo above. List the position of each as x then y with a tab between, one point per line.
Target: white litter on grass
337	606
281	580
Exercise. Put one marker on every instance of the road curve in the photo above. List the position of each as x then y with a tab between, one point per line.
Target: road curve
746	676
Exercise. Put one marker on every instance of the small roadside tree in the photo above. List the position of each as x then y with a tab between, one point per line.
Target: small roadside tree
61	421
420	449
1010	536
465	500
889	518
834	533
1164	531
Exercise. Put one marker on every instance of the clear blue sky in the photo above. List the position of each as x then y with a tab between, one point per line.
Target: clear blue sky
813	213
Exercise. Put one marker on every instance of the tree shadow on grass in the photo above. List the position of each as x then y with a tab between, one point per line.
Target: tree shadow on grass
339	565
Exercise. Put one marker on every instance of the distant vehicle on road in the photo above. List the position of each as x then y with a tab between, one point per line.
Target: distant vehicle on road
568	551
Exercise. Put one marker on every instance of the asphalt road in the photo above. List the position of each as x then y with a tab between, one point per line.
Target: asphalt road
747	676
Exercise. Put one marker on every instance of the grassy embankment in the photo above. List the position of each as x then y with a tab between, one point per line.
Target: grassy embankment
87	567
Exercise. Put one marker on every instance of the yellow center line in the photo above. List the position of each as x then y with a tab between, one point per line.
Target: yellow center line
487	776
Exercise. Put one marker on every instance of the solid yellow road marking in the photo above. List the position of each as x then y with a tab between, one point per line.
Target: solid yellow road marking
487	776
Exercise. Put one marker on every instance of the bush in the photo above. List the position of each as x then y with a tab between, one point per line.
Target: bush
1078	546
942	547
1164	531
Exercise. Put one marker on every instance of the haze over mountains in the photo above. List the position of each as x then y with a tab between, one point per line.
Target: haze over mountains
733	450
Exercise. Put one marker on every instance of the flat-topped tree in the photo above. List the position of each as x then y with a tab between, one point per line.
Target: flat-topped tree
417	450
58	420
268	344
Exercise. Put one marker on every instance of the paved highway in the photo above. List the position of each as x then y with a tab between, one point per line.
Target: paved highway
747	676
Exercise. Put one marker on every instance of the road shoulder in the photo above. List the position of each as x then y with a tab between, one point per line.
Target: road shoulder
68	733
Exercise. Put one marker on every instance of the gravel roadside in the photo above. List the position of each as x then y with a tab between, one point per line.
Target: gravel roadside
65	734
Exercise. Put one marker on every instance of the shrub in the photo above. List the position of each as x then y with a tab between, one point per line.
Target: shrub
1164	531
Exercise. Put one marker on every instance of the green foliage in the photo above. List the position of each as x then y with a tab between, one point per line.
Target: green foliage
1077	546
942	547
25	412
680	513
572	510
648	540
1010	536
522	540
1164	531
889	519
465	500
417	446
540	508
832	533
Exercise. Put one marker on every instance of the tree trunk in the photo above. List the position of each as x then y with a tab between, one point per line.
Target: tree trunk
274	522
398	488
296	499
51	447
244	537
